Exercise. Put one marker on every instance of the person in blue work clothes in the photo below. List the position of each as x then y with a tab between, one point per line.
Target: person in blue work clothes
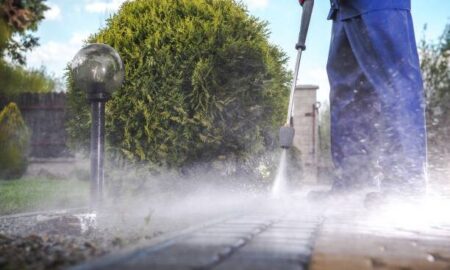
378	134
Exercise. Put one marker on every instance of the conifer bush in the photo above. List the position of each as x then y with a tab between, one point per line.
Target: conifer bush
202	83
14	142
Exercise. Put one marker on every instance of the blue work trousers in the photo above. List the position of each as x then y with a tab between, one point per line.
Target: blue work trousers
378	133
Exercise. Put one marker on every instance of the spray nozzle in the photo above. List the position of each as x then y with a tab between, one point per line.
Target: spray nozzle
286	136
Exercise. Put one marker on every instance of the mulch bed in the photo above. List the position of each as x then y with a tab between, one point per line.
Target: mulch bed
45	251
56	242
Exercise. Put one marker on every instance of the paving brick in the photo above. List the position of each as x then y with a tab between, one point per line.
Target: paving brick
255	218
244	235
201	240
182	255
147	266
282	241
282	235
294	228
252	264
298	222
232	230
242	223
258	250
239	227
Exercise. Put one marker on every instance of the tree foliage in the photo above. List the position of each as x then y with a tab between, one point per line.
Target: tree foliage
15	80
435	64
14	143
202	83
17	19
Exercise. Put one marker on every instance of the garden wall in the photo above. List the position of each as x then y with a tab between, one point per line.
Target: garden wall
45	116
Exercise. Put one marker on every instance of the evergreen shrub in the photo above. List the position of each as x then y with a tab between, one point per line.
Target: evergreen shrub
203	83
14	143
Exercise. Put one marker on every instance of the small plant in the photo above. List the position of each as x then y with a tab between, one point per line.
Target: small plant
14	142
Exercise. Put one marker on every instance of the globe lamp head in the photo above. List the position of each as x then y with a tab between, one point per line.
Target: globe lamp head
98	70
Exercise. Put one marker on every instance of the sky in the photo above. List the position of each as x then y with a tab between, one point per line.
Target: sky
69	22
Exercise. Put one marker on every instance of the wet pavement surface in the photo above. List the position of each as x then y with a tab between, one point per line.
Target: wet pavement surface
365	242
299	238
242	242
273	234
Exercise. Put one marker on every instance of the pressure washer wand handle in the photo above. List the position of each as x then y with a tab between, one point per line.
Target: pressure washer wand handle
304	26
300	47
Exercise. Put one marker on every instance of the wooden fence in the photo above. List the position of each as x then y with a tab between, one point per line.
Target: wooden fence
45	116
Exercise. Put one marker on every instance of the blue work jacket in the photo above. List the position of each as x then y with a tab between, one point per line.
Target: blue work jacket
345	9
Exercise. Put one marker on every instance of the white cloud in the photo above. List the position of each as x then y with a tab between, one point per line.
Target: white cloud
100	6
54	13
56	55
257	4
78	38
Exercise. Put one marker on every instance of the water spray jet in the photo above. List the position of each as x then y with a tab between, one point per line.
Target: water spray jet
98	70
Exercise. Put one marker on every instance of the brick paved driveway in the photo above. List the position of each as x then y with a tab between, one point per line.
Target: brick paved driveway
296	236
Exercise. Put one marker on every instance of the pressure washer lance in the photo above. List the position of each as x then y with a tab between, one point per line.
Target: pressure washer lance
287	131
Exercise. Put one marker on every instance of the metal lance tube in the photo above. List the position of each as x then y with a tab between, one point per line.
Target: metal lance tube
308	6
287	132
289	121
97	152
98	70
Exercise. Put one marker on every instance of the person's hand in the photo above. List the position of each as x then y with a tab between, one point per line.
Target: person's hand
301	2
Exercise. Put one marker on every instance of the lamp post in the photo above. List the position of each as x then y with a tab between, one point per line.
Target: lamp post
98	70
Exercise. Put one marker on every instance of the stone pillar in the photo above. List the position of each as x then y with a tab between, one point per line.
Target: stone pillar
307	129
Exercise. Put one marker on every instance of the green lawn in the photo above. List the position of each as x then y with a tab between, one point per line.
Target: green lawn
35	194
